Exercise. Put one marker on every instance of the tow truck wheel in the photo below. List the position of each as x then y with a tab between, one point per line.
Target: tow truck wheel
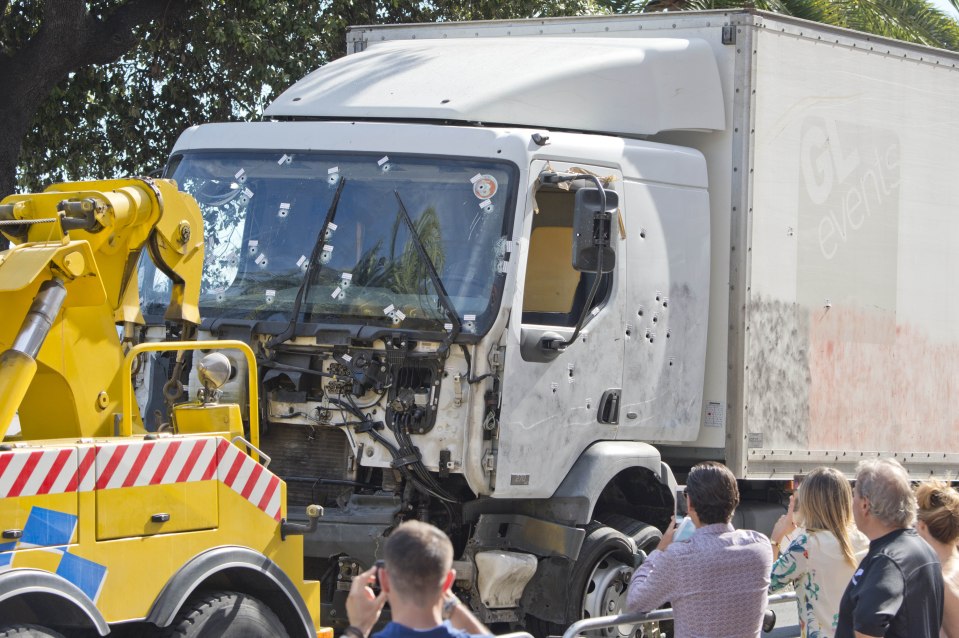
225	614
28	631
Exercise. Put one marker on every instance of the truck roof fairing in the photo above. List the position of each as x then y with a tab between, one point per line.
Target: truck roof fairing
630	87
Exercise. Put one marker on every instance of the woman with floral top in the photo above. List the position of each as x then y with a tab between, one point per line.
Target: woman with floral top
821	552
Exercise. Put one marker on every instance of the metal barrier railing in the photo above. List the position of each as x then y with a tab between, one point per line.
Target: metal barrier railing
601	622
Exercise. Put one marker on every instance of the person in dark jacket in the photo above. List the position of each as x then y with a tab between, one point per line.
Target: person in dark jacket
897	591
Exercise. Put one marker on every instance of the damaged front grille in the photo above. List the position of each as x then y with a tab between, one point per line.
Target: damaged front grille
304	457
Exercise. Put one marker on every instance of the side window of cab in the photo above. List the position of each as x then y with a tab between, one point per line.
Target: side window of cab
555	293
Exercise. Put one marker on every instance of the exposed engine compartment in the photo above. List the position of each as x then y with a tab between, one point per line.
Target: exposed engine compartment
389	391
330	413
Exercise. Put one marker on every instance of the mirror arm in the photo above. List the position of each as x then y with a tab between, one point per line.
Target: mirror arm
560	345
587	307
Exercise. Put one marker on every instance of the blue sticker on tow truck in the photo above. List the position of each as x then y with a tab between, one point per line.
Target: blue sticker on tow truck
48	527
6	554
83	573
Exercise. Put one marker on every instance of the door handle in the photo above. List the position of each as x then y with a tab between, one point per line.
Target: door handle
609	406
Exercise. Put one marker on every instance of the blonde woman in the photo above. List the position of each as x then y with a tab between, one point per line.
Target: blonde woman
822	552
938	524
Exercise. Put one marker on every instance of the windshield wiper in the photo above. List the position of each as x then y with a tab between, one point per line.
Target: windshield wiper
434	277
312	268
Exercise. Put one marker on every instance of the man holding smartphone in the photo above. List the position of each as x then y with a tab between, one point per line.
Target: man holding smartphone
416	578
716	579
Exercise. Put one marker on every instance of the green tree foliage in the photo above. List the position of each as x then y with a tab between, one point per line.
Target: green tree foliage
915	21
136	73
186	63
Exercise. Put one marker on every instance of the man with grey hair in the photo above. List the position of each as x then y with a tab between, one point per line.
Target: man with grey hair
897	590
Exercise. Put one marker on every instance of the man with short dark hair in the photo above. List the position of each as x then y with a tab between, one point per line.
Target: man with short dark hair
416	579
897	591
716	580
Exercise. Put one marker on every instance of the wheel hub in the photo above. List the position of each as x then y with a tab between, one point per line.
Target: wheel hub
605	595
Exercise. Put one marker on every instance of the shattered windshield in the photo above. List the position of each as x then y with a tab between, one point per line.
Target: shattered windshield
263	213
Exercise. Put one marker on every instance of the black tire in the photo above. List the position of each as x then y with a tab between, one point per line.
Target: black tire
28	631
599	578
645	536
225	614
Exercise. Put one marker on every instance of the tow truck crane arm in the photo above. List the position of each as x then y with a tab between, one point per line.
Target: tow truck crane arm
72	272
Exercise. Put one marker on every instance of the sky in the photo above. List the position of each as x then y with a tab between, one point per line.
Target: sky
944	5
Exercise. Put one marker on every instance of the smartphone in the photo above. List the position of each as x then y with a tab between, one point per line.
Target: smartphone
376	576
797	481
681	504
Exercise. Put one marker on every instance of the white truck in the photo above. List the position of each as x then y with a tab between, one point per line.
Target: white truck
454	322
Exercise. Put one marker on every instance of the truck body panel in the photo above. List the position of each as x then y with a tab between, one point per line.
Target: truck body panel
852	238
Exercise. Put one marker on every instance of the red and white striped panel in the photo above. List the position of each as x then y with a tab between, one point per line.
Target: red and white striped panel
87	472
249	479
160	462
33	472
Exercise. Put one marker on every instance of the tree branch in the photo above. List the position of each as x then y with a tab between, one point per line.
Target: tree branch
68	39
52	11
115	35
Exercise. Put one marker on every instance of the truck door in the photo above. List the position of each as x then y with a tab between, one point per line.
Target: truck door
667	312
38	497
552	401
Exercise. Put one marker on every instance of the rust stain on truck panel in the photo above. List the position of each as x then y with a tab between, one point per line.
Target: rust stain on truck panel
896	393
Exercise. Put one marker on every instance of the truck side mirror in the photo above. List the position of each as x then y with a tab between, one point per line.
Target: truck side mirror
592	230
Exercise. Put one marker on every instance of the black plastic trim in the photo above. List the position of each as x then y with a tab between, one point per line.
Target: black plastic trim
608	411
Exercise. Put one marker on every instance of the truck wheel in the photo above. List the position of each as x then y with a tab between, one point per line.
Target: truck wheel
602	575
598	583
645	536
225	614
28	631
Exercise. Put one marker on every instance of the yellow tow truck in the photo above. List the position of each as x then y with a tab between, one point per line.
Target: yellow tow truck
106	528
